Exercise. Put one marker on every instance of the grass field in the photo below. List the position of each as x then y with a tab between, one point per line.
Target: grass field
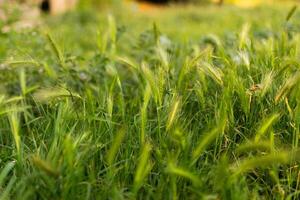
186	103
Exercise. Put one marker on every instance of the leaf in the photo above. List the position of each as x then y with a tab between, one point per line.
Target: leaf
181	172
173	112
213	72
111	155
288	86
14	122
44	166
147	96
23	62
254	146
291	13
206	140
58	53
262	161
5	171
48	94
143	168
4	195
265	126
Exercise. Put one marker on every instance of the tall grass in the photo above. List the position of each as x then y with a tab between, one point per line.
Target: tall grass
166	119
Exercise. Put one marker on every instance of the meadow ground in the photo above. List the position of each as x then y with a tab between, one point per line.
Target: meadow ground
178	103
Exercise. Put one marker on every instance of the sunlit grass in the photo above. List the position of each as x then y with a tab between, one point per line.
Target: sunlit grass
151	116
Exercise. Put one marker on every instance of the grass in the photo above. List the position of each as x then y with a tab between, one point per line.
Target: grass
92	107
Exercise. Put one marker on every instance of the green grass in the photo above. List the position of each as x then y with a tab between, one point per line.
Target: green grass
199	105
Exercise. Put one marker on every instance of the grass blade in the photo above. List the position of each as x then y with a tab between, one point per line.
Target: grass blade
206	140
143	168
291	13
173	113
5	171
184	173
267	123
111	154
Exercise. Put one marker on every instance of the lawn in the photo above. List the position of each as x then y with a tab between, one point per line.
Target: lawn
174	103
